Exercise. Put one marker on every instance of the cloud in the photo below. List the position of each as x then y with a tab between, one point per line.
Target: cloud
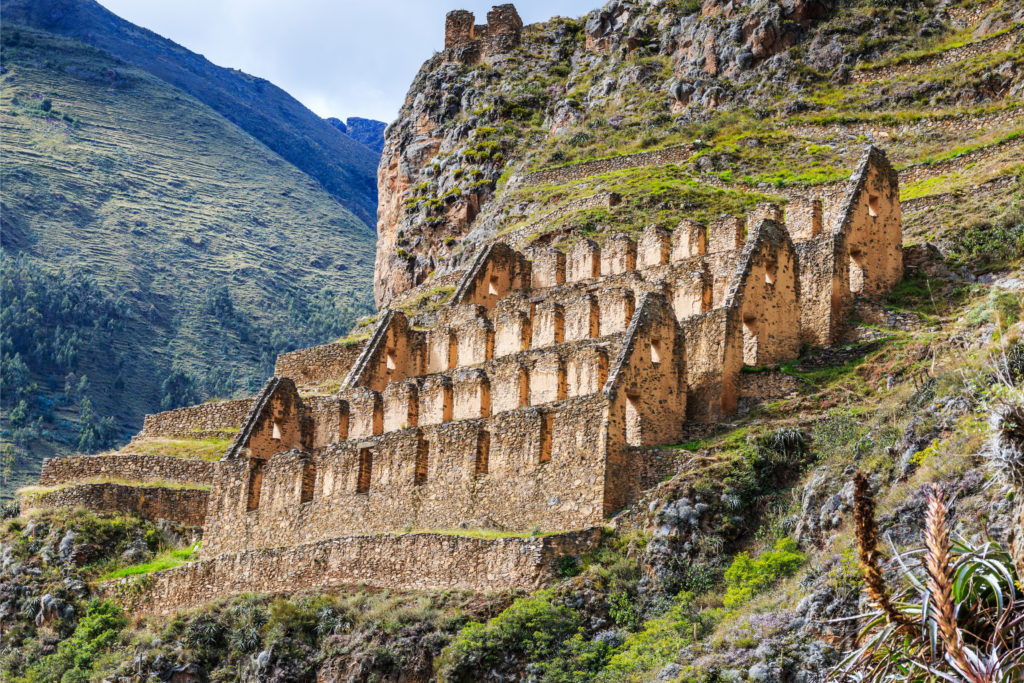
338	57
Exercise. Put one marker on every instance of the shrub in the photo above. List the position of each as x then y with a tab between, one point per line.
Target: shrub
746	577
530	629
97	632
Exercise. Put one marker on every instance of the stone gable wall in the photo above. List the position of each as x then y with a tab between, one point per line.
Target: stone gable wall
133	467
185	506
406	562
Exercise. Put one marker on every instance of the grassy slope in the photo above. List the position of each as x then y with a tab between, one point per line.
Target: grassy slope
161	200
345	168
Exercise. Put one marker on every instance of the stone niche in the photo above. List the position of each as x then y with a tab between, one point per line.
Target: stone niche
512	332
725	234
548	268
547	379
804	217
617	307
401	405
472	395
692	293
474	342
548	324
587	371
366	412
510	387
582	318
442	349
435	400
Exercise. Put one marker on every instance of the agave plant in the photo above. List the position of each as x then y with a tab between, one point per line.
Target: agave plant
959	616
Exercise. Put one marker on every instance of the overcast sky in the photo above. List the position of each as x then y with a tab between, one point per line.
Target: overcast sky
338	57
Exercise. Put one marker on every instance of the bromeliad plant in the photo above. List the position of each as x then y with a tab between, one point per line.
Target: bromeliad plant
960	618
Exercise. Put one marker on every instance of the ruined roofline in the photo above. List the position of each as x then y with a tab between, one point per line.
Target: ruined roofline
466	41
873	156
766	230
254	418
632	333
370	348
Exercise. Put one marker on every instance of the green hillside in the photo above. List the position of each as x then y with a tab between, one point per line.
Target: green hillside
345	168
207	250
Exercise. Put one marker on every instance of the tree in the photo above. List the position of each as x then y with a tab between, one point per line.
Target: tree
179	388
94	432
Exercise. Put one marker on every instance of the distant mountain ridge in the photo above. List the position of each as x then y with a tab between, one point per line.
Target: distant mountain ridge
344	167
367	132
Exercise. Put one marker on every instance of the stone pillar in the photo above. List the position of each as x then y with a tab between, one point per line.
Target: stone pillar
548	268
583	261
725	234
654	247
618	255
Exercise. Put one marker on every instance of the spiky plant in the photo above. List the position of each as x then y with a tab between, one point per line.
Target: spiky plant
1005	447
958	618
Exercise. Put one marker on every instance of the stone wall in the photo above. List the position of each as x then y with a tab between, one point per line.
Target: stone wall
319	363
406	562
922	171
520	469
187	423
466	41
140	468
521	237
986	46
675	154
185	506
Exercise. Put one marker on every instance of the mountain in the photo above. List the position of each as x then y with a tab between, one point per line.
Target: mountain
151	246
866	494
776	96
368	132
345	169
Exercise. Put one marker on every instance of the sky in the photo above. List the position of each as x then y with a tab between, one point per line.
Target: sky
338	57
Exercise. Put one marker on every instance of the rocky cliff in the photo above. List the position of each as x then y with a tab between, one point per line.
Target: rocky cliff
635	75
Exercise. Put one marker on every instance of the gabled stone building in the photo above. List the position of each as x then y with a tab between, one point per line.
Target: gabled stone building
532	400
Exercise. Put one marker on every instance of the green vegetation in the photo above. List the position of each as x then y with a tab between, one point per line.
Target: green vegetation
31	491
174	262
94	636
747	577
165	560
191	449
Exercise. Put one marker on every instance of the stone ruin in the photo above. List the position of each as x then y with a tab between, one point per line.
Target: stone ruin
533	401
468	42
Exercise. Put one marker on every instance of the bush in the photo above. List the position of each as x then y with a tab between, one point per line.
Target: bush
747	577
97	632
531	629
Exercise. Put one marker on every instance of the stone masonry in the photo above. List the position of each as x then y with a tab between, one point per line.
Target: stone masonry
468	42
532	401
